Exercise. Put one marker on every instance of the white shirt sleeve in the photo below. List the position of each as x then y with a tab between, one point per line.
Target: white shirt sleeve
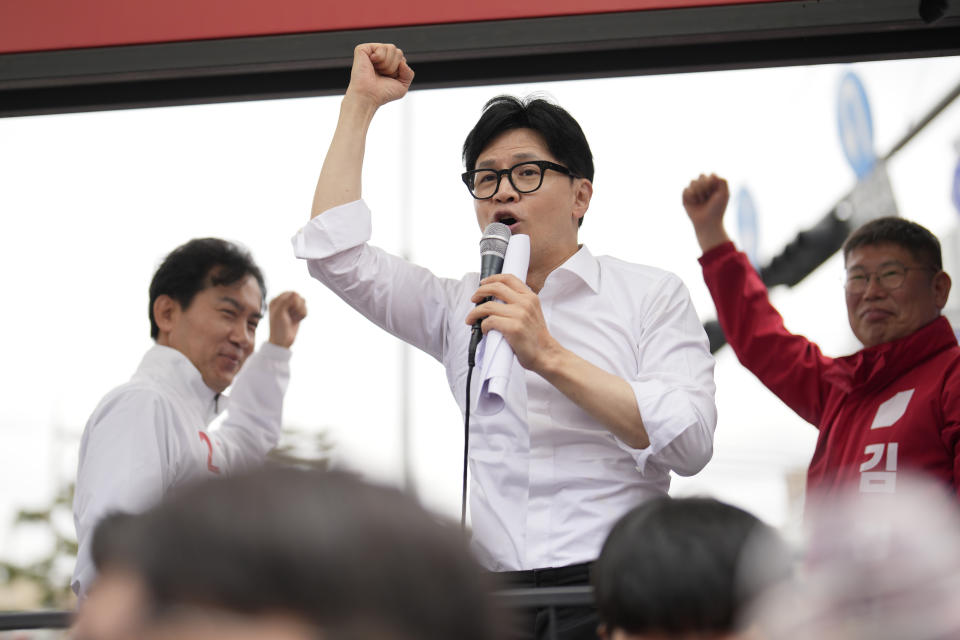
124	466
674	387
254	418
405	299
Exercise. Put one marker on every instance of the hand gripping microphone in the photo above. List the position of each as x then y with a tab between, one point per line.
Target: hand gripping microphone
493	247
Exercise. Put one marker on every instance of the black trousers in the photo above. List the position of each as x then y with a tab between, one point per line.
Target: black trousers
563	623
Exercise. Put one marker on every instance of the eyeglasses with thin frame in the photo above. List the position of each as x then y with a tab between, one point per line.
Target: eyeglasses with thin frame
890	277
526	177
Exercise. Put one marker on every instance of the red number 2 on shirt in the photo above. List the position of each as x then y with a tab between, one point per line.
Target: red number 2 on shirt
212	467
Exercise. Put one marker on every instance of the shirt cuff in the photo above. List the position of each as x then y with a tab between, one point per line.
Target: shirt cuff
655	398
275	352
717	253
335	230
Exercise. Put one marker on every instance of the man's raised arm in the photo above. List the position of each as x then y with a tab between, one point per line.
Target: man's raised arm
380	74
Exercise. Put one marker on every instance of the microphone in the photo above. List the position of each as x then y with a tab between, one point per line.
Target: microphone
493	248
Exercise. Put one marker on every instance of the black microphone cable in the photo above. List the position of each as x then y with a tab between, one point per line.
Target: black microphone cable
493	248
471	361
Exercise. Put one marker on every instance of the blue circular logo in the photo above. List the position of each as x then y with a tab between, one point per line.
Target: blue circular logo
855	125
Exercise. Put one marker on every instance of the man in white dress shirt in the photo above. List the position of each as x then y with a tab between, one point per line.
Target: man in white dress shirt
613	385
150	434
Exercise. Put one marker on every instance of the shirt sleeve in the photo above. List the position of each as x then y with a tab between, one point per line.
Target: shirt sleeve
402	298
950	434
123	466
254	418
789	365
674	385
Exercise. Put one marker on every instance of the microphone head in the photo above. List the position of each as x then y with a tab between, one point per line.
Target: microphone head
495	239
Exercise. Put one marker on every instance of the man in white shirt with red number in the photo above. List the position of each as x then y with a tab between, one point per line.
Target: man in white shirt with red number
150	435
613	386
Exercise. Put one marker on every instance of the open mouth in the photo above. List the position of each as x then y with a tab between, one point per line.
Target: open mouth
507	220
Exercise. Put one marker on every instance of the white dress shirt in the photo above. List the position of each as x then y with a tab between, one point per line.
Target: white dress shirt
547	480
150	435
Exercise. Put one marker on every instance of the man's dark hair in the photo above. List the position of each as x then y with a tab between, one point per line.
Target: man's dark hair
563	135
351	558
685	565
116	540
922	245
196	265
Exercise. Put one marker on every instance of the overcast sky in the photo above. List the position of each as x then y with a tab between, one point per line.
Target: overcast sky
92	202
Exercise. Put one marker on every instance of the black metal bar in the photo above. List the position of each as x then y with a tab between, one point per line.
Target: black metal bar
478	53
927	119
807	251
22	620
544	597
714	335
508	598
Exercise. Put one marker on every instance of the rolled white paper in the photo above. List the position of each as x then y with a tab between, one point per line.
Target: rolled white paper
495	358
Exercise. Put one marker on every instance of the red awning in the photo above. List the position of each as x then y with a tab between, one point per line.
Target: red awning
43	25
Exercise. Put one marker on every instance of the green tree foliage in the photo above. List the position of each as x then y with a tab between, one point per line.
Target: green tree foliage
46	579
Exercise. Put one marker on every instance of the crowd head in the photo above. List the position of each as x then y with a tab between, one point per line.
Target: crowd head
302	554
882	566
685	568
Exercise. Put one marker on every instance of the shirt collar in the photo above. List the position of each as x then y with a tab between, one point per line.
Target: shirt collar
586	267
170	368
877	366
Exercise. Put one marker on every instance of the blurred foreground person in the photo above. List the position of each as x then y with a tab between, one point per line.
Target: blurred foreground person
301	555
685	568
150	435
891	407
117	602
881	567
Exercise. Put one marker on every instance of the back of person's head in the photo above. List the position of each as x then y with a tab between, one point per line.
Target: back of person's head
877	566
685	567
116	540
350	559
196	265
918	240
117	603
560	131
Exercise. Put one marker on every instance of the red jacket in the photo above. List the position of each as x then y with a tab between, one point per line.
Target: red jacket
889	408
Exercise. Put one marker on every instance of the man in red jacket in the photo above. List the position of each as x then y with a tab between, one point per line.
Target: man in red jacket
891	408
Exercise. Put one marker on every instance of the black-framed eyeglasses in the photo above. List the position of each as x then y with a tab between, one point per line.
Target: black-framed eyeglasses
890	277
525	177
